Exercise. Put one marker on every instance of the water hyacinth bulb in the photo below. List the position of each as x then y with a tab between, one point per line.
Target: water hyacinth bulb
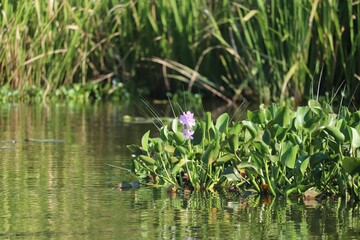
188	121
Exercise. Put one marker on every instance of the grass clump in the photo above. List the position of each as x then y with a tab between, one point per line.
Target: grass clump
275	151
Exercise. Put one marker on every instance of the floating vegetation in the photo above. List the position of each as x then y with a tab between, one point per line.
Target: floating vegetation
274	151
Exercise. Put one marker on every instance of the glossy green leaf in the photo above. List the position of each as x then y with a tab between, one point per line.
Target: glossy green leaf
304	163
300	114
164	133
248	165
351	165
355	138
224	159
145	140
231	174
179	138
211	153
234	143
175	125
147	159
235	129
180	151
281	133
222	122
283	116
335	132
208	120
261	116
315	107
178	166
251	127
289	156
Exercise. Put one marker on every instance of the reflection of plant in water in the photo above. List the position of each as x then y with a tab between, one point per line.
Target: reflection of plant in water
275	151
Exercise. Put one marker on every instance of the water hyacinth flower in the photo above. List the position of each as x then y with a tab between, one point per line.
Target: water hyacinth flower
188	133
188	121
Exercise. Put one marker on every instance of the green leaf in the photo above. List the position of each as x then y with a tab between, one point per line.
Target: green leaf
145	140
355	138
304	165
179	138
315	107
224	159
175	124
234	143
208	121
283	116
222	123
289	156
281	133
351	165
147	159
300	114
267	137
164	133
231	174
248	165
178	166
261	116
335	132
251	127
211	153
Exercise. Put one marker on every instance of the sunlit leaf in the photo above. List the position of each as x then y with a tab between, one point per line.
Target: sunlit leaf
234	143
224	159
335	132
281	133
283	116
289	156
145	140
178	166
179	138
175	124
251	127
164	133
222	122
315	107
231	174
147	159
211	153
300	117
355	138
208	120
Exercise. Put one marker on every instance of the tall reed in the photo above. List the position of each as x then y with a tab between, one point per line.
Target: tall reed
269	50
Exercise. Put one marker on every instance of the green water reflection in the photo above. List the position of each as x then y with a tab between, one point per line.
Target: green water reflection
65	190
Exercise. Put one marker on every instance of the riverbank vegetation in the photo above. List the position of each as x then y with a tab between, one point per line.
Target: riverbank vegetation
260	50
275	151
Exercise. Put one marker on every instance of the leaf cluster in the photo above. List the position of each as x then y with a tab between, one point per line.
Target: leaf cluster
274	151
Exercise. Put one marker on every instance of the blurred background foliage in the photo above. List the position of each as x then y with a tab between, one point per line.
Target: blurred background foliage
259	50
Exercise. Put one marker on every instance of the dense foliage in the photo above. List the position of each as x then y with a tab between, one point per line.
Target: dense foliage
274	151
266	50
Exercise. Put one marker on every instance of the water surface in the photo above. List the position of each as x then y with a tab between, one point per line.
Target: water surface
66	190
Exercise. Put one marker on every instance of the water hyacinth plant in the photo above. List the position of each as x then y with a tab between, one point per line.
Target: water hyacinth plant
275	151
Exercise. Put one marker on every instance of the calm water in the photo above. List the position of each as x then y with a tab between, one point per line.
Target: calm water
65	190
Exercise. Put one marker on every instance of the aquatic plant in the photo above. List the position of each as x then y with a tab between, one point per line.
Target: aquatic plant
274	151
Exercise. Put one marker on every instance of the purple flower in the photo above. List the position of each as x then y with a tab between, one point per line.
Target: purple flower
188	133
187	120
